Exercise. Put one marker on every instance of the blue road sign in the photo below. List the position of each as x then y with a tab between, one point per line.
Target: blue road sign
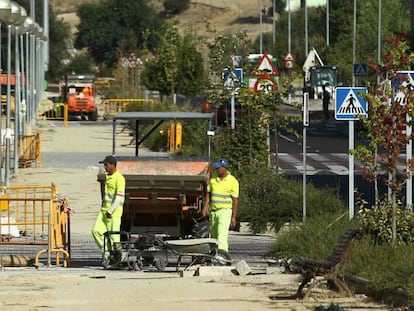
349	105
402	80
232	79
360	70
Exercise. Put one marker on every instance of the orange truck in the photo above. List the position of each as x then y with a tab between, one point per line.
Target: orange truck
78	92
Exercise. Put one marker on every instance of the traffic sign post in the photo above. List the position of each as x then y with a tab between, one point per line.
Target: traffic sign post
350	106
304	144
406	79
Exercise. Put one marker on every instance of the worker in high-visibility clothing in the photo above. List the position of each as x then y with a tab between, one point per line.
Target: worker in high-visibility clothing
109	217
221	202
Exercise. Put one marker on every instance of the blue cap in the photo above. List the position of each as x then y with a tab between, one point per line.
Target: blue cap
222	162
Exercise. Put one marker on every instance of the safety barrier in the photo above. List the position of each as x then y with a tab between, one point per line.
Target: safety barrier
102	84
29	150
115	105
48	110
175	136
36	215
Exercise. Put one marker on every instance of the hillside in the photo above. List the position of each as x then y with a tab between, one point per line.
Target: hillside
224	16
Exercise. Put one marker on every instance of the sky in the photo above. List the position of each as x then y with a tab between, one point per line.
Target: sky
295	4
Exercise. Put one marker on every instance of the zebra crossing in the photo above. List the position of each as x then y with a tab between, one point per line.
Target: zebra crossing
320	163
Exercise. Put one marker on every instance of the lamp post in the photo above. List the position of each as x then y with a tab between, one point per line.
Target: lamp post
17	93
28	27
306	29
14	18
327	22
5	10
274	22
261	25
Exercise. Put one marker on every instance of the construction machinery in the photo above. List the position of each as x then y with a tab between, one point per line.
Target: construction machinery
164	190
78	92
317	75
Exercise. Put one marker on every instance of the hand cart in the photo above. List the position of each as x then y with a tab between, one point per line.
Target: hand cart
154	249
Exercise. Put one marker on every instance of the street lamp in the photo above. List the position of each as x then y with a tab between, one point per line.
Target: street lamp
261	25
327	22
5	10
28	27
17	93
13	19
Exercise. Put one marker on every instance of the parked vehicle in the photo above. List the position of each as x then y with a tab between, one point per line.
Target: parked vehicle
78	92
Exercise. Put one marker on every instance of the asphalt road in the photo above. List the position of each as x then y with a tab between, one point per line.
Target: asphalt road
321	137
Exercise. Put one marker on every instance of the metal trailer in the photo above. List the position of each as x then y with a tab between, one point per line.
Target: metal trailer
163	193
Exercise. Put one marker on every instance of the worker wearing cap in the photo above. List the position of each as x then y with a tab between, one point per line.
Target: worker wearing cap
109	218
221	202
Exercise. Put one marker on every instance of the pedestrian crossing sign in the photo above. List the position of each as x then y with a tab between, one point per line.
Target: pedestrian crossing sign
349	105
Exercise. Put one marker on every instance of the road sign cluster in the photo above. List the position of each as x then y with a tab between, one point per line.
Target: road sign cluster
263	77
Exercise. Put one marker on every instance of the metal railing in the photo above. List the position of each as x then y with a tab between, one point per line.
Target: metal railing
29	150
113	106
36	215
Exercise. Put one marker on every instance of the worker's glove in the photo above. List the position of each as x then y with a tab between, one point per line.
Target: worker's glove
108	215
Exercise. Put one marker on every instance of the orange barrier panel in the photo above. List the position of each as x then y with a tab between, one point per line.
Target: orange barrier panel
36	215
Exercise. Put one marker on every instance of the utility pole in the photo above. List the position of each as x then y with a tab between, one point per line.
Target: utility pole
261	25
274	22
306	28
327	22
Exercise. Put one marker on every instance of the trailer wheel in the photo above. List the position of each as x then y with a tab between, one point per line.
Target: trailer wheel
160	264
220	258
106	263
137	265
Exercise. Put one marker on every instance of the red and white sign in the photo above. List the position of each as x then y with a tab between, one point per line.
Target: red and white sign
265	85
289	57
289	61
265	64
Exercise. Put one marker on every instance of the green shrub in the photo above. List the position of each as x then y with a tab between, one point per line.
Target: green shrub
376	223
387	267
268	199
259	197
176	6
315	239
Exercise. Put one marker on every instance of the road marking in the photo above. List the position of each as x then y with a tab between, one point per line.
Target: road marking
287	138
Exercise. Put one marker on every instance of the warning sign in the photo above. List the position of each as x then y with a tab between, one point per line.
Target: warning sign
266	65
349	105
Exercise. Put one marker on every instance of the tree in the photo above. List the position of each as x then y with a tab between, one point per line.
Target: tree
387	121
339	52
110	25
177	66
